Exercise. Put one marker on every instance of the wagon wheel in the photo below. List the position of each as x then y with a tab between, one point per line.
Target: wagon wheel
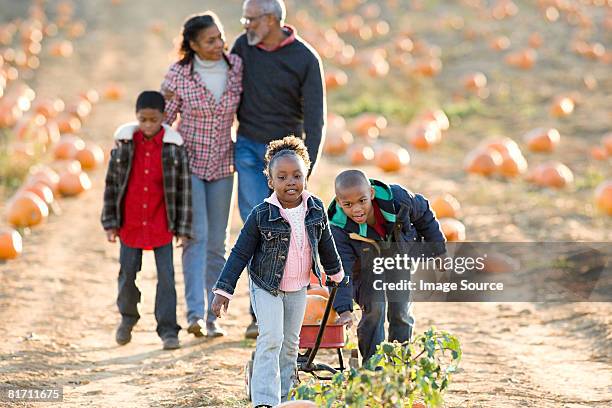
248	374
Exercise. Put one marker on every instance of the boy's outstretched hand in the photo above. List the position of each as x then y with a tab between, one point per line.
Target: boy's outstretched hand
218	303
111	235
345	319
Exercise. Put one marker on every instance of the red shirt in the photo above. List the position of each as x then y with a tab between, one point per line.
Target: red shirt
290	38
379	227
145	222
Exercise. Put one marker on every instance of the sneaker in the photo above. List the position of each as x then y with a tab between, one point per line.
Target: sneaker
171	343
213	330
124	333
196	327
252	331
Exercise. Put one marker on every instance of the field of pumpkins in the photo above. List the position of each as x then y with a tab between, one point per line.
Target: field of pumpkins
44	154
501	104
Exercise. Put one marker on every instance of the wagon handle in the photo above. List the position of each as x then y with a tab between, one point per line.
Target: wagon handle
315	349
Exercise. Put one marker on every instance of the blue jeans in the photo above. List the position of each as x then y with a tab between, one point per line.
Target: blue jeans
279	319
252	183
371	328
204	254
128	295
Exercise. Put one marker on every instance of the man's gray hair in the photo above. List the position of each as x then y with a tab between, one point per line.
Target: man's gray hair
274	7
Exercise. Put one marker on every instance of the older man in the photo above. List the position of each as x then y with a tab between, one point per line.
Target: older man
283	94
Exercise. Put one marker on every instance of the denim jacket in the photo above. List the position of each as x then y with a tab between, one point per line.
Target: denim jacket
263	246
414	222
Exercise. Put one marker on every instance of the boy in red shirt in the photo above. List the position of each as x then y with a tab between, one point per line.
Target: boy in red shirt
147	201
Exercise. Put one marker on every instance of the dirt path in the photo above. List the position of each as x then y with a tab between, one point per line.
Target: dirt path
57	301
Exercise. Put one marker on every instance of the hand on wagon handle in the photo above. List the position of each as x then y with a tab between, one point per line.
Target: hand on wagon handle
218	303
345	319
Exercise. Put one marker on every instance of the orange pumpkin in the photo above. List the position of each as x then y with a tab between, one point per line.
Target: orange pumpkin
91	156
68	123
10	244
424	135
113	92
542	139
606	141
359	154
26	209
428	67
524	59
562	106
72	184
474	82
45	175
535	40
41	190
500	43
438	116
446	206
336	143
365	122
68	147
315	308
504	145
335	78
599	153
453	229
552	174
318	290
603	197
391	157
483	161
513	164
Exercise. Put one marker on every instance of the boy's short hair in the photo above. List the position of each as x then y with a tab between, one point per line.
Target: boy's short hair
151	100
351	178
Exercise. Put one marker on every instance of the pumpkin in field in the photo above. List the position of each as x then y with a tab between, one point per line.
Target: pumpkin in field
113	92
359	154
68	123
542	139
68	147
315	308
438	116
599	153
66	166
91	156
483	161
366	123
391	157
562	106
10	244
45	175
453	229
524	59
318	290
337	142
72	184
552	174
503	145
603	197
475	82
445	206
424	135
298	404
606	141
513	164
335	78
26	209
41	190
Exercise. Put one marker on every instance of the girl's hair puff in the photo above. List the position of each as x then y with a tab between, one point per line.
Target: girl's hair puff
289	145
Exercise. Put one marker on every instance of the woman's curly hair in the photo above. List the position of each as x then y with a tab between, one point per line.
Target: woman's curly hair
289	145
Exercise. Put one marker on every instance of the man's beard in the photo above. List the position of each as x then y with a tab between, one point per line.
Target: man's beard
253	38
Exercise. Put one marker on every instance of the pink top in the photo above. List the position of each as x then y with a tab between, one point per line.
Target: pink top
299	260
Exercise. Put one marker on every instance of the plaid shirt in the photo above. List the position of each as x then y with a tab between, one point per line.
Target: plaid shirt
205	124
177	181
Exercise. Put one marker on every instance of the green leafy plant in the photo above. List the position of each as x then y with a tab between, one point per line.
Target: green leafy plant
396	376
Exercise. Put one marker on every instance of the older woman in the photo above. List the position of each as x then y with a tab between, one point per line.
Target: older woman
204	87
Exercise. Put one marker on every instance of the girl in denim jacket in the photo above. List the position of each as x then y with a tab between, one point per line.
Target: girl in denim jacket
281	241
